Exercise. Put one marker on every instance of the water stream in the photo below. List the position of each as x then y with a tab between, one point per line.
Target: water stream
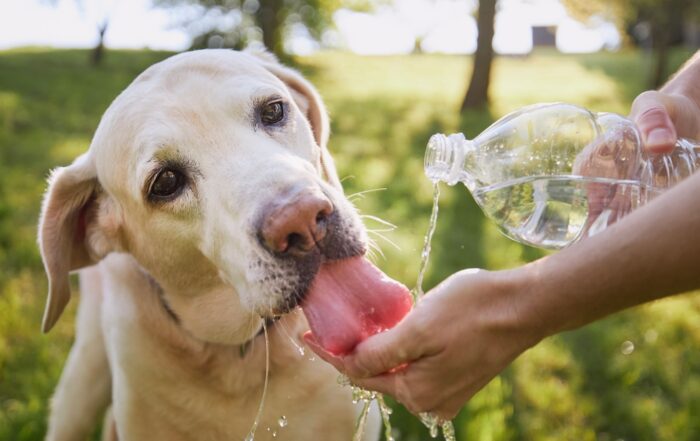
432	422
251	433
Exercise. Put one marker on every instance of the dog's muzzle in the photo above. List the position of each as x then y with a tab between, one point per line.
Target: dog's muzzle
297	233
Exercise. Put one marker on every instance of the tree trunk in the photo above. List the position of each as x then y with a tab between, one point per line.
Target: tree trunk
270	22
98	51
666	31
478	92
660	46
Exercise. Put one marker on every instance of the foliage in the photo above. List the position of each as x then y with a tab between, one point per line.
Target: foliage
274	18
576	386
655	23
626	12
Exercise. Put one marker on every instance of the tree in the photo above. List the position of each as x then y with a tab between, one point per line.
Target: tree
664	20
273	18
97	10
477	92
98	50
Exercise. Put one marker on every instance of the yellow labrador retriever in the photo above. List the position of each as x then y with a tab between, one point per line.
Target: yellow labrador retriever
202	209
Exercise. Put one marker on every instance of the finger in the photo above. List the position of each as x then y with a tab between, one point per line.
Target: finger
326	356
385	351
385	384
651	111
397	385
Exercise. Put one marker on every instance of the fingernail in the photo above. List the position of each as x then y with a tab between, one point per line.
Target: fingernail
659	137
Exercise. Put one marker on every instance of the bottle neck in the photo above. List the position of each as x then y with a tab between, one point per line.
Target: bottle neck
444	158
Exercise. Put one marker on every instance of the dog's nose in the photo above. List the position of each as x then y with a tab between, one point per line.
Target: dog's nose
295	227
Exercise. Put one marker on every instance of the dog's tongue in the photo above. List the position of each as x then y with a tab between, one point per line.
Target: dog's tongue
350	300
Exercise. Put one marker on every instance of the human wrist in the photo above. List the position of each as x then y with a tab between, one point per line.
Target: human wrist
518	305
686	81
548	300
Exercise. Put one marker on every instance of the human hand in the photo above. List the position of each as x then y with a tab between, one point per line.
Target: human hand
457	338
660	119
664	117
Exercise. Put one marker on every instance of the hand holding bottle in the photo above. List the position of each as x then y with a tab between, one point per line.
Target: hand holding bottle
661	119
468	328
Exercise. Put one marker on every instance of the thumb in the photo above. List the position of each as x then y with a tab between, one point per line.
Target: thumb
385	351
651	111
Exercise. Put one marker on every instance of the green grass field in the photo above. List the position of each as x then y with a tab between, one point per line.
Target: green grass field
576	386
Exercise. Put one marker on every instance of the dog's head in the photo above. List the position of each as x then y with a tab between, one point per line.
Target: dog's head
211	170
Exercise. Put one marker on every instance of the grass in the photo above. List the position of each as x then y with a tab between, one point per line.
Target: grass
576	386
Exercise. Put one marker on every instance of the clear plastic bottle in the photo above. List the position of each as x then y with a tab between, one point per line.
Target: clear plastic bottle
552	174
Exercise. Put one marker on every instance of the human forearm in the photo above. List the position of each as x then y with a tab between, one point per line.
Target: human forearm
687	80
652	253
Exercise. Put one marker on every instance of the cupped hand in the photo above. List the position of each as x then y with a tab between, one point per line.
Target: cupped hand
458	337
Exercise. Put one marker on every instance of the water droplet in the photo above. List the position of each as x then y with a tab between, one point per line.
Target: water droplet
250	437
448	431
627	347
651	336
301	350
274	434
431	422
282	422
312	358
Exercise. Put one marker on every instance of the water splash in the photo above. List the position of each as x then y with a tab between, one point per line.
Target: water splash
361	422
432	422
251	433
386	415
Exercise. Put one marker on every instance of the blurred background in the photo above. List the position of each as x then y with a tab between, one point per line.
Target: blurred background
392	73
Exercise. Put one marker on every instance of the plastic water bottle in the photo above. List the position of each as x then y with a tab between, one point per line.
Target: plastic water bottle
552	174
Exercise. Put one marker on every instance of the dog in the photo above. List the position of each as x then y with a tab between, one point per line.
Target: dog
199	214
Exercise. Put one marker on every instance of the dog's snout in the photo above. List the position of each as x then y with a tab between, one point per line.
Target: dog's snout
295	227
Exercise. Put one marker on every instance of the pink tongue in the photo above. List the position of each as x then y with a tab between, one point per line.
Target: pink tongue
350	300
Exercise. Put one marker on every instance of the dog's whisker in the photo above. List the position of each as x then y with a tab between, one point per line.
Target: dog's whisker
374	244
374	249
378	219
380	230
361	194
297	346
386	239
372	255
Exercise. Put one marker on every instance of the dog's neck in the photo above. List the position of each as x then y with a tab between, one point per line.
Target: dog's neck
159	292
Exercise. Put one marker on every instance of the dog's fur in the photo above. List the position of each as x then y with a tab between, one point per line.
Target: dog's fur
174	293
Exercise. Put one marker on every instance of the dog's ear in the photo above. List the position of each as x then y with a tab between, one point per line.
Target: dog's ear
69	235
309	101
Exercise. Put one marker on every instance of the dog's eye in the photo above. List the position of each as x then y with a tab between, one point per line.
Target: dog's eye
167	184
272	113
